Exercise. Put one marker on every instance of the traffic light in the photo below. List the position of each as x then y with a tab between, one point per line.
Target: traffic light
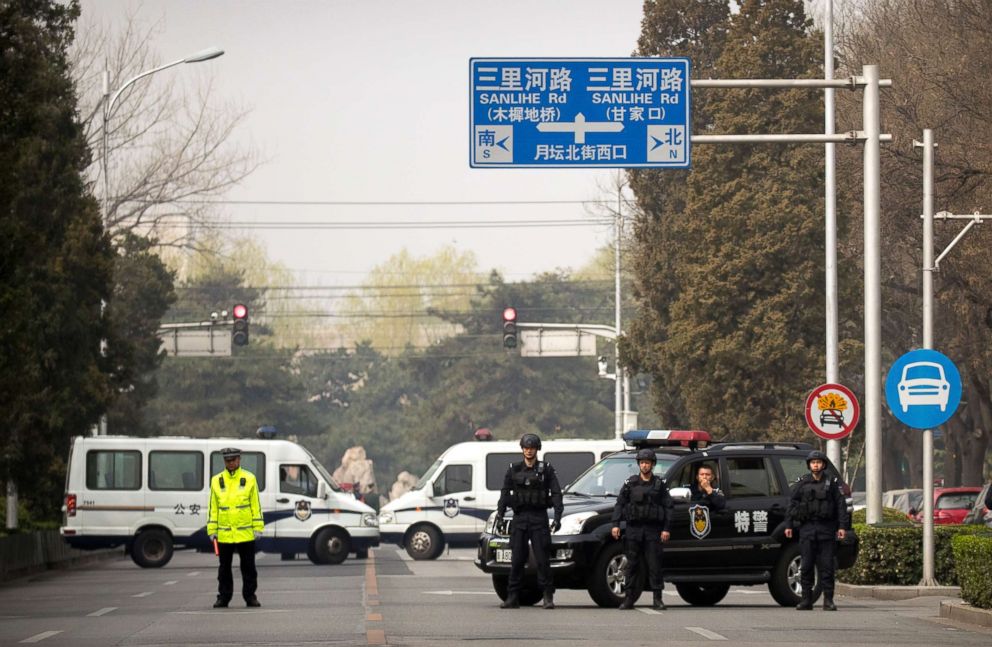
509	327
239	333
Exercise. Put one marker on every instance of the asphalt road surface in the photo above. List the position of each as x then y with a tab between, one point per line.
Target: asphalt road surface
391	600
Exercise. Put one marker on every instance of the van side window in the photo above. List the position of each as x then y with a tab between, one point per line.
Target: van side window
496	465
297	479
454	478
751	476
113	470
254	462
569	465
175	470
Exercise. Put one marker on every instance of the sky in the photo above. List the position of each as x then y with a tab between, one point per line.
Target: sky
368	101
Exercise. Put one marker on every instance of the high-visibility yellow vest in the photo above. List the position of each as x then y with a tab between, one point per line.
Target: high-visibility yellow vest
235	511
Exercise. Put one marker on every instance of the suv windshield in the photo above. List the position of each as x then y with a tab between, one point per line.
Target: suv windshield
606	477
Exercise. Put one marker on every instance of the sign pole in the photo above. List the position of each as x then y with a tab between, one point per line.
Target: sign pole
928	544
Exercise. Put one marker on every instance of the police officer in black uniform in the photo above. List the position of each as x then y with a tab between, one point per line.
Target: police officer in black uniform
819	511
644	503
530	487
705	491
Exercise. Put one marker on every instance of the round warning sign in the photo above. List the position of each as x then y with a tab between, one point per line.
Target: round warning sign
832	411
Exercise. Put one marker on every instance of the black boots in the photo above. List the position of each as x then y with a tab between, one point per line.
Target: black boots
221	603
828	603
253	602
659	604
511	602
806	604
549	600
628	602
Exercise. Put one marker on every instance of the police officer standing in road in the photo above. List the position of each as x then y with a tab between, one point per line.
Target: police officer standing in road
235	521
819	511
644	503
530	487
704	491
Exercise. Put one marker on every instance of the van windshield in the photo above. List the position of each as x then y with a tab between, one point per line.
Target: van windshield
324	473
426	478
606	477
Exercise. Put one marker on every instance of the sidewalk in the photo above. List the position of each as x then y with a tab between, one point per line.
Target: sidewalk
954	609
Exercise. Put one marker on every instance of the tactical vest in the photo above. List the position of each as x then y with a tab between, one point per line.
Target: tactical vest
815	502
529	487
644	505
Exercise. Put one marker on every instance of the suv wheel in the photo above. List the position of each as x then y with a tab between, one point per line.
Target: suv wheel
702	595
606	582
530	594
785	584
152	548
424	542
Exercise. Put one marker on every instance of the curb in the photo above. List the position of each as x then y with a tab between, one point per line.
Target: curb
964	612
62	564
889	592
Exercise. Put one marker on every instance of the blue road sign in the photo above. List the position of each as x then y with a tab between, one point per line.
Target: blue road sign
923	389
587	113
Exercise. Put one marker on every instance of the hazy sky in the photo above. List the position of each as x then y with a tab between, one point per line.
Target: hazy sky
367	101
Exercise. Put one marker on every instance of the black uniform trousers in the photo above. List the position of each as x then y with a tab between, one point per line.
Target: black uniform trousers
643	540
817	548
249	576
530	525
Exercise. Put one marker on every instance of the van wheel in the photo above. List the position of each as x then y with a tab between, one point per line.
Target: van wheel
702	595
785	585
606	581
152	548
330	546
424	542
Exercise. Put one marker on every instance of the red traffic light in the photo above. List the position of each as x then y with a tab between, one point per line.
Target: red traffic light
509	314
240	311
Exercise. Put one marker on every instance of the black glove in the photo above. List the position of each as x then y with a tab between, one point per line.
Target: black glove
556	525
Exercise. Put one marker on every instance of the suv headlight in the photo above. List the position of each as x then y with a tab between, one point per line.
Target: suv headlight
386	517
572	524
370	519
491	523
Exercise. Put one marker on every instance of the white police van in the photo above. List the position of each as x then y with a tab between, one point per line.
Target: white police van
450	503
151	494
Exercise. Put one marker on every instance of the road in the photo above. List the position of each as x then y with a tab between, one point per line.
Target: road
391	600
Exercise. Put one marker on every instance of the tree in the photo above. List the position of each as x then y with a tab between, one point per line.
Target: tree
168	151
938	87
55	264
741	331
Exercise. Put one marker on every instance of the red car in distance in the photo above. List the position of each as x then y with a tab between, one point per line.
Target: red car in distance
951	504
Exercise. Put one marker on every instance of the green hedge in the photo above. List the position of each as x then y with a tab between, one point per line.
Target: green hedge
973	562
893	554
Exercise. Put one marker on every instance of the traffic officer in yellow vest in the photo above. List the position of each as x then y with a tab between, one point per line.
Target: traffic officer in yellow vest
235	522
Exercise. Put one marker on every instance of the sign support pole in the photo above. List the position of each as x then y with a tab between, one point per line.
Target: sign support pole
830	222
928	545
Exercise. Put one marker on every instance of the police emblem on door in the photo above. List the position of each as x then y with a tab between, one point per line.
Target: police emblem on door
451	508
302	510
699	521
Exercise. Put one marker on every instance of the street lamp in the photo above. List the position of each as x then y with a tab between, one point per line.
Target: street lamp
108	106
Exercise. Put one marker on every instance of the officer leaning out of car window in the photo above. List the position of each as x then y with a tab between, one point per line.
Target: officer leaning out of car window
646	507
818	510
530	487
704	490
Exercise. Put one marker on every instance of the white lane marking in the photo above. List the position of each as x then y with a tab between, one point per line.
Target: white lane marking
170	583
37	638
650	612
193	574
143	594
228	612
459	593
102	612
706	633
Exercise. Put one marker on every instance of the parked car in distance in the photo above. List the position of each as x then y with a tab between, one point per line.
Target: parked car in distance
904	500
859	500
950	504
980	513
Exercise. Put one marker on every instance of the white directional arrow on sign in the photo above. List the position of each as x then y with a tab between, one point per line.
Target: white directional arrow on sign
580	127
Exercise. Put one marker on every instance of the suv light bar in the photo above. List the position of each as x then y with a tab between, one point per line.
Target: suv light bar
666	438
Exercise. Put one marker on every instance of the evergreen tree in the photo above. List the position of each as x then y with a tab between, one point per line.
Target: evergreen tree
55	263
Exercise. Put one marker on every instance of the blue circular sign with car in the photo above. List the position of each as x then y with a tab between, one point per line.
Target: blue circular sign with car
923	389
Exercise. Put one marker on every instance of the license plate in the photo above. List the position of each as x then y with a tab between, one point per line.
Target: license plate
504	555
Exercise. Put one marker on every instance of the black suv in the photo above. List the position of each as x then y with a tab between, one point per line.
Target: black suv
709	551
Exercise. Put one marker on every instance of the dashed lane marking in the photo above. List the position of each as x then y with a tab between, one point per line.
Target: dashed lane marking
143	594
193	574
228	612
102	612
170	582
706	633
37	638
650	612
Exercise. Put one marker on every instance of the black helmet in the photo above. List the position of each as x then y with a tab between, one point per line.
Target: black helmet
816	455
530	441
646	455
